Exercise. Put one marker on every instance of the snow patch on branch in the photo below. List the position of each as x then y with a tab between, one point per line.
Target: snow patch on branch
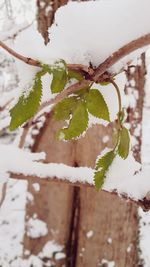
124	176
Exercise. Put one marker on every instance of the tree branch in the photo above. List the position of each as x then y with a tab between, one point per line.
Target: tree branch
119	54
36	63
26	60
102	68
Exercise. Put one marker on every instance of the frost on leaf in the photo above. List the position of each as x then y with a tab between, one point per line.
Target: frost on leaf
78	123
26	106
59	77
102	167
64	108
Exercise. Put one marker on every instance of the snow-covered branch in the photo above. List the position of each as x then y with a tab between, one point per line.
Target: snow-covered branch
130	186
36	63
82	176
119	54
97	74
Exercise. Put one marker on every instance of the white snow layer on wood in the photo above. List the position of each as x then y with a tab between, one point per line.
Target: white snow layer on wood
85	32
131	181
36	228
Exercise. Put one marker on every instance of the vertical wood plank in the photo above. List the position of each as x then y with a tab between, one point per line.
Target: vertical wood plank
108	228
53	203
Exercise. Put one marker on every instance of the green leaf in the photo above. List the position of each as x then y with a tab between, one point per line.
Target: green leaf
47	68
102	167
75	75
78	123
105	161
26	106
104	83
99	178
96	105
115	137
82	92
64	108
59	77
124	144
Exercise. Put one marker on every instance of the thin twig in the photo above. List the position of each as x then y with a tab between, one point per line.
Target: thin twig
25	133
26	60
4	188
118	94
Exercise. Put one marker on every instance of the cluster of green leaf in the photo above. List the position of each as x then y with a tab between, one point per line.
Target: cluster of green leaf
28	104
75	110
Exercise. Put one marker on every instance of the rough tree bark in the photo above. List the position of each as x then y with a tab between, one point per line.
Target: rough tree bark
45	15
91	226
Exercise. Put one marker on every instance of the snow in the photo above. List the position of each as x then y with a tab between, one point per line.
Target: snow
4	123
89	234
109	240
26	164
60	256
107	263
12	32
36	228
83	41
33	261
85	50
129	248
10	155
36	187
12	216
132	182
105	139
145	236
50	248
